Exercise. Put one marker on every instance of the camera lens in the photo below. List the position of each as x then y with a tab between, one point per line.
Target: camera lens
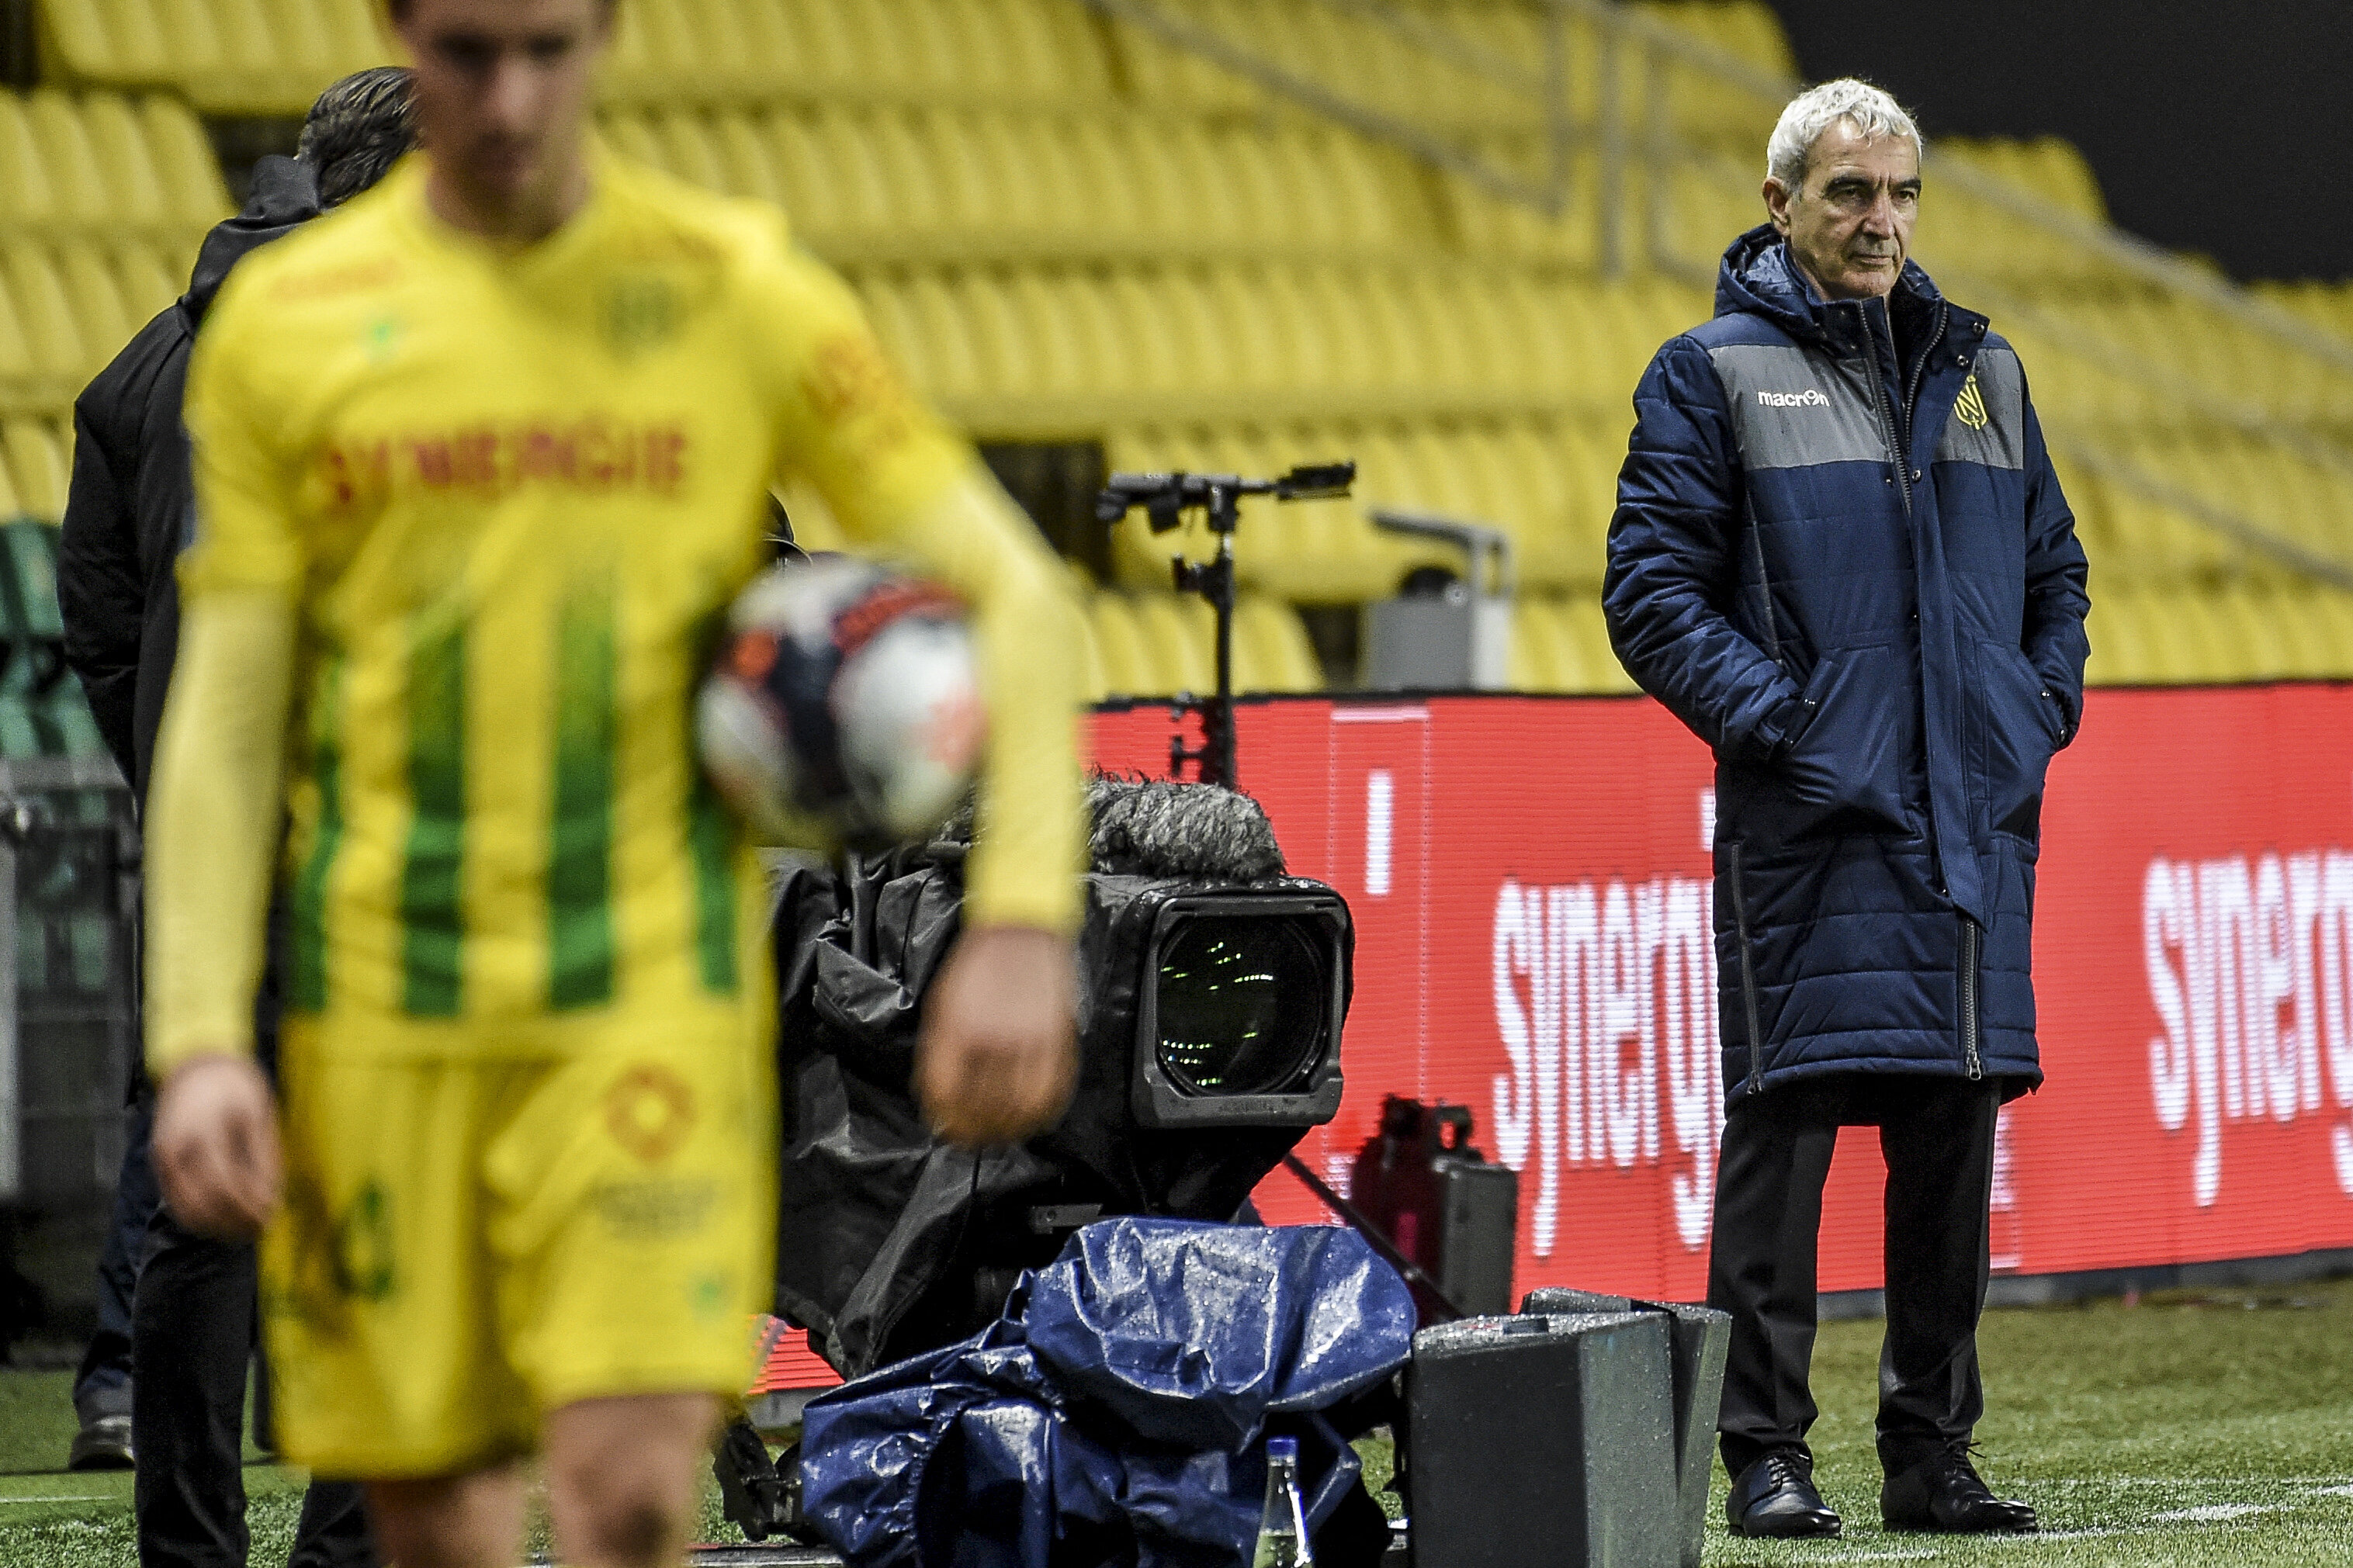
1241	1005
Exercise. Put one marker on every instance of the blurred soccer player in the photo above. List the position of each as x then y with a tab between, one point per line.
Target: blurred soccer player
478	464
187	1331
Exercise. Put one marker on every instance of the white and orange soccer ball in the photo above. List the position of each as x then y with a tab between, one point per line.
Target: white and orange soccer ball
843	706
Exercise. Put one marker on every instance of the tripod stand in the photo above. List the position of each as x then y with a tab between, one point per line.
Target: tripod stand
1166	499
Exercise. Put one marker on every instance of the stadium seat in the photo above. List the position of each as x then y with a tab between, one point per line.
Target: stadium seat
57	352
36	463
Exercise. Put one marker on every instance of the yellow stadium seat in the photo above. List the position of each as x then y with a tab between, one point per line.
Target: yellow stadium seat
135	189
11	508
77	182
184	162
26	194
2329	619
1162	74
1603	673
2121	655
630	132
1177	637
1540	659
16	343
149	282
1129	669
37	460
44	312
1272	650
747	158
102	319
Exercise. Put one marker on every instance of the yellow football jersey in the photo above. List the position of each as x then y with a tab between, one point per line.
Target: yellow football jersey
512	492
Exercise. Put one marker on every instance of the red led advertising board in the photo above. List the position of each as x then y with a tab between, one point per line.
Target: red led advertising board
1530	879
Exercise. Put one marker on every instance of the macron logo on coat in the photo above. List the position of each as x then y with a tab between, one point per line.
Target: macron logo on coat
1812	397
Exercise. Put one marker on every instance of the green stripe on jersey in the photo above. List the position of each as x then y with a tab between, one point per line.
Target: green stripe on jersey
580	848
308	986
711	845
432	915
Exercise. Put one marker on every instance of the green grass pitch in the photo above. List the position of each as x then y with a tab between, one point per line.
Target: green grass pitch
2195	1429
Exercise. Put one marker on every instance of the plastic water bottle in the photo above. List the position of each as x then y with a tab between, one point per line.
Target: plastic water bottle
1282	1525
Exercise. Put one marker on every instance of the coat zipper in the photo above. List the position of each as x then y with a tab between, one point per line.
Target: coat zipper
1748	977
1972	941
1894	437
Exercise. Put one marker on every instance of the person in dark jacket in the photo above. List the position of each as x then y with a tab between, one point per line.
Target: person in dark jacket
165	1377
1841	557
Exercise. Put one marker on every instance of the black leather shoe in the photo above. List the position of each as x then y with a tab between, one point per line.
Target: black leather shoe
1944	1493
102	1443
1776	1497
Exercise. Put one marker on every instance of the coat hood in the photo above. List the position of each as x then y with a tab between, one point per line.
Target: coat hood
1758	278
285	197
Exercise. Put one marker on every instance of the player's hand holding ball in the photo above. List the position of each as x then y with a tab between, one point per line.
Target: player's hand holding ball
844	708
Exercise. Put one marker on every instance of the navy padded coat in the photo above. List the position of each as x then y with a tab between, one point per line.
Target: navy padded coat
1841	557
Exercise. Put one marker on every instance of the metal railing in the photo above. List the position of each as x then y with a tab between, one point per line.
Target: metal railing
1629	140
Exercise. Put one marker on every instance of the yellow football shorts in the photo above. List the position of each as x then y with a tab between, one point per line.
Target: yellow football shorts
468	1245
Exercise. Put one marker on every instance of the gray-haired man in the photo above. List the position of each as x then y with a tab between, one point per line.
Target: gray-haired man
165	1376
1841	557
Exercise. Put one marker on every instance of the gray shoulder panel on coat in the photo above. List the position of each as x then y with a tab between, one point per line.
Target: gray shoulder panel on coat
1794	407
1988	425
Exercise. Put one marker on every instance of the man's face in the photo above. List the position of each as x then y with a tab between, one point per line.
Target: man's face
1850	222
502	91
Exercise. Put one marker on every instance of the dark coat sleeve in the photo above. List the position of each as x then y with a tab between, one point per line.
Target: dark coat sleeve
102	587
2056	576
1673	572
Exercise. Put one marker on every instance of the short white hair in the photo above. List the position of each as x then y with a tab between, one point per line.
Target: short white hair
1871	112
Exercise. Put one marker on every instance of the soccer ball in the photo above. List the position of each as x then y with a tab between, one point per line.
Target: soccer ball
843	707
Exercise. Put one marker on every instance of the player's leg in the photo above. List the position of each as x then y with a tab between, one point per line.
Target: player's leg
379	1309
450	1521
622	1474
635	1227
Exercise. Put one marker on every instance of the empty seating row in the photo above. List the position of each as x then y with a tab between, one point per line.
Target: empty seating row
1464	66
234	56
2304	504
876	182
67	308
272	57
2328	306
1549	485
103	160
2197	633
1160	643
1032	349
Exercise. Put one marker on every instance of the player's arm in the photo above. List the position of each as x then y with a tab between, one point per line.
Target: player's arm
997	1059
213	813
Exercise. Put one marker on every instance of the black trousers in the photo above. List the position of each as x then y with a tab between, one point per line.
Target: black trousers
102	1383
1936	1135
191	1337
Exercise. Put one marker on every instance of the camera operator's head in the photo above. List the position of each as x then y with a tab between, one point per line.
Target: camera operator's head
359	128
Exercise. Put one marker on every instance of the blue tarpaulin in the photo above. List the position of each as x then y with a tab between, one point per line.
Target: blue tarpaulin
1118	1413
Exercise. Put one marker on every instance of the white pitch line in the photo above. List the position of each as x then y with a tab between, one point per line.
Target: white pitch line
2215	1512
94	1498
